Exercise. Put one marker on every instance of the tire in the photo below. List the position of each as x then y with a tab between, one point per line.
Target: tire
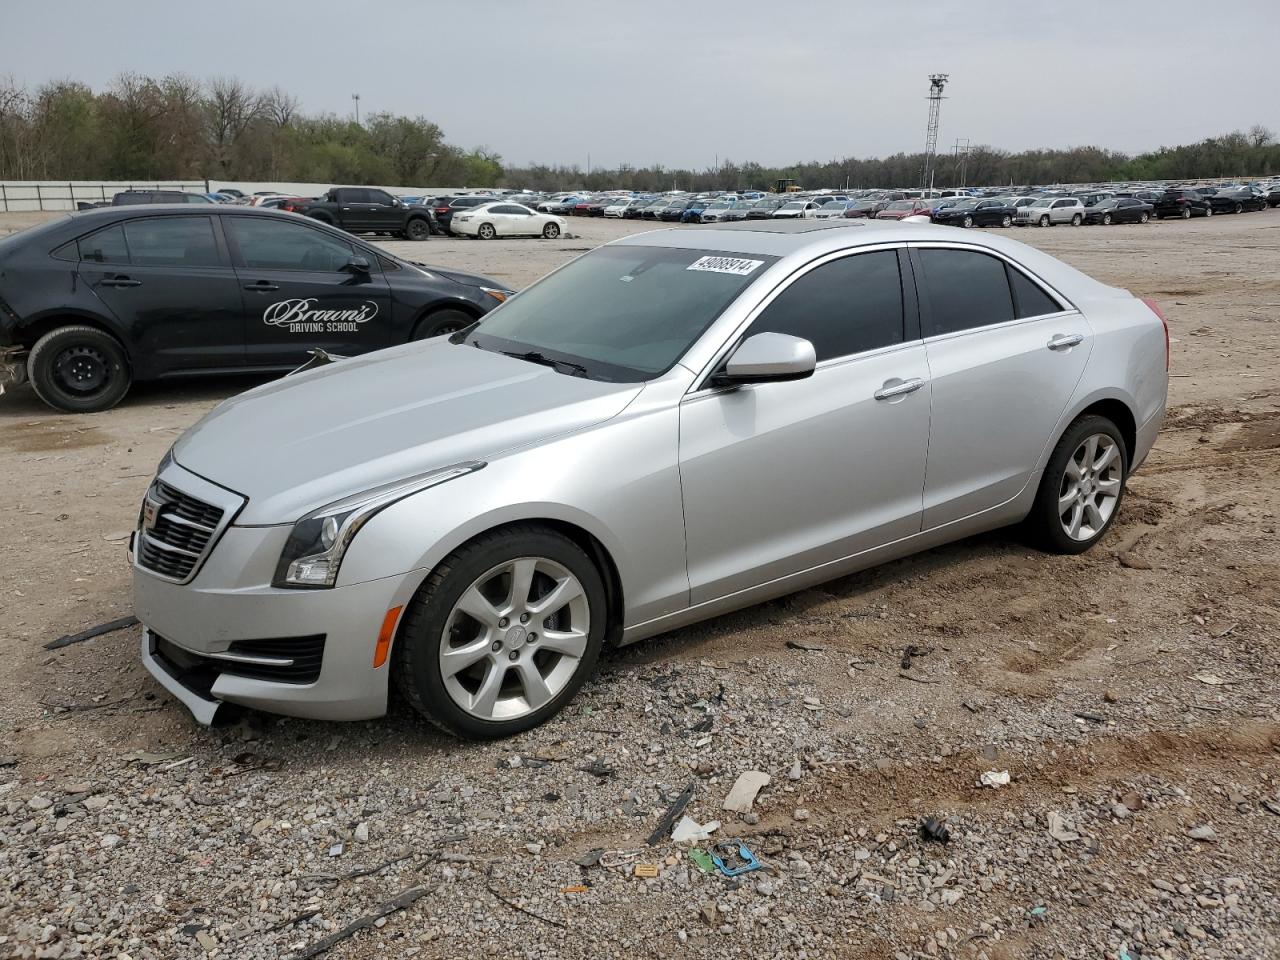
1044	220
486	231
441	323
967	222
1186	213
1144	217
1045	524
551	231
1106	219
1006	221
79	369
1076	220
485	570
1208	211
1239	208
419	228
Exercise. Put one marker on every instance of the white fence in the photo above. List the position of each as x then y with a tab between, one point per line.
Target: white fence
27	195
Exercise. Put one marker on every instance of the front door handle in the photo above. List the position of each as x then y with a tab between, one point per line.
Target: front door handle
899	389
261	285
1065	341
120	282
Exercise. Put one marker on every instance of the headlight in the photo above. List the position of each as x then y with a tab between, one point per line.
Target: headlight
499	295
314	551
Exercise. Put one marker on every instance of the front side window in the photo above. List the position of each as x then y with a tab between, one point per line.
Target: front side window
269	244
172	241
625	313
381	196
843	307
966	290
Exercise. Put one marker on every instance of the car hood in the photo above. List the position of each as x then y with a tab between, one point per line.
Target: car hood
304	441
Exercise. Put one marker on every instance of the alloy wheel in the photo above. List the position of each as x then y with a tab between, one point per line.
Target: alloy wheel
1090	487
514	639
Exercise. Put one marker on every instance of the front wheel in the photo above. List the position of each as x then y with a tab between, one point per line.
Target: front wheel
1144	218
1044	220
502	633
1239	208
441	323
967	222
486	231
1106	219
79	369
1006	221
551	231
418	229
1082	486
1208	211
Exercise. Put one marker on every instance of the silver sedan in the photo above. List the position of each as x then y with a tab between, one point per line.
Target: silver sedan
670	427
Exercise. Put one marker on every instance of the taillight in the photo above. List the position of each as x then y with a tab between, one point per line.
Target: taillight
1165	323
442	209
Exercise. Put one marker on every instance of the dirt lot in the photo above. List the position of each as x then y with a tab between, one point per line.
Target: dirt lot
1132	692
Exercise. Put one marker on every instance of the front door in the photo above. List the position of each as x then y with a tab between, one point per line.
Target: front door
778	478
1005	358
170	283
300	291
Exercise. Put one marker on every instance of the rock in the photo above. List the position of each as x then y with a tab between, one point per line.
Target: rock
39	802
1203	833
361	833
1133	563
952	895
1120	811
111	840
710	914
794	772
1111	696
98	802
801	867
207	941
751	819
1133	801
534	848
989	751
1059	829
800	814
995	779
743	794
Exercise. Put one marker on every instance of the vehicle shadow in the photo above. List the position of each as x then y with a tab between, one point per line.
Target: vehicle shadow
21	401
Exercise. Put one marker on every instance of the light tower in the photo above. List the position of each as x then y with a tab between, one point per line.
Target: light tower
936	82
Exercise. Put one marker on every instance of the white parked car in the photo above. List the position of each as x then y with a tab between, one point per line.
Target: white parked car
619	207
798	209
507	220
1048	211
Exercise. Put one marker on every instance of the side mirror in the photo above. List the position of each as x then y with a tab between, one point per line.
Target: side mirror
357	265
768	358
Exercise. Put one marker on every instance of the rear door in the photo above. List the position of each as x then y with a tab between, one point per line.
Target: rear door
300	291
354	208
170	282
1005	355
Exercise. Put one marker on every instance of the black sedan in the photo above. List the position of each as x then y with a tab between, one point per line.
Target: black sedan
93	301
977	213
1118	210
1237	200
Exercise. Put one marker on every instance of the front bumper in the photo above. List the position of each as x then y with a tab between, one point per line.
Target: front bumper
13	368
230	605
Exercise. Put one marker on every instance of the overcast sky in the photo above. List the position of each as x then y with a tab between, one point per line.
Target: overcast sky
679	82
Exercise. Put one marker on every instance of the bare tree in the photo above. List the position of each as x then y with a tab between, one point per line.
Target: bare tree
231	108
280	107
1260	135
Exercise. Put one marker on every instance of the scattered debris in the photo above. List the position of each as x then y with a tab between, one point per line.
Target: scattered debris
1209	678
733	857
1091	717
591	858
797	645
676	809
598	768
911	652
109	627
935	829
743	794
398	902
646	870
995	779
703	860
689	830
576	888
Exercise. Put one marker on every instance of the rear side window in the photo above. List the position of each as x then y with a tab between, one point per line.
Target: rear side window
966	290
843	307
1029	299
105	246
172	241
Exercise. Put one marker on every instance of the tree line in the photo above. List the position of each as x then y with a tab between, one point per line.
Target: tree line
180	128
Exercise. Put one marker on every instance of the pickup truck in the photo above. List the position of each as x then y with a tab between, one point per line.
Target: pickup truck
366	210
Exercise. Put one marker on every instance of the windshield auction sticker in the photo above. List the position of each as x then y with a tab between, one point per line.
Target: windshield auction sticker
734	265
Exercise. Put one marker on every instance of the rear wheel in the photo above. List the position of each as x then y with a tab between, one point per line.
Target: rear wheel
1239	208
79	369
1082	486
440	323
551	231
1076	220
1044	220
1186	213
486	231
1106	219
419	228
967	222
1208	211
1144	217
1006	221
502	633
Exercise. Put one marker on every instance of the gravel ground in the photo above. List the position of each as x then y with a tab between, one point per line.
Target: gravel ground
1131	695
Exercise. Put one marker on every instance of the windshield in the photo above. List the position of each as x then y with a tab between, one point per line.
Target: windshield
625	313
793	205
1043	202
900	205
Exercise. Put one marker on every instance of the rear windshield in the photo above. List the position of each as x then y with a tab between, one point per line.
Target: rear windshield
625	313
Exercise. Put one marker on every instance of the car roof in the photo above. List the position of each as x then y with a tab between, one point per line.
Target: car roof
803	240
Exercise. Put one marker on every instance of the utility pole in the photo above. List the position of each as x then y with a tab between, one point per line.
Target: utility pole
936	83
960	154
356	98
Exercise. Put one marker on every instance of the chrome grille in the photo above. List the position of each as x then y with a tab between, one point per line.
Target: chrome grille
175	532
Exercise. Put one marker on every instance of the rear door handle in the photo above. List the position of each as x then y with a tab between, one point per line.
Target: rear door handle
261	285
1064	341
899	389
120	282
